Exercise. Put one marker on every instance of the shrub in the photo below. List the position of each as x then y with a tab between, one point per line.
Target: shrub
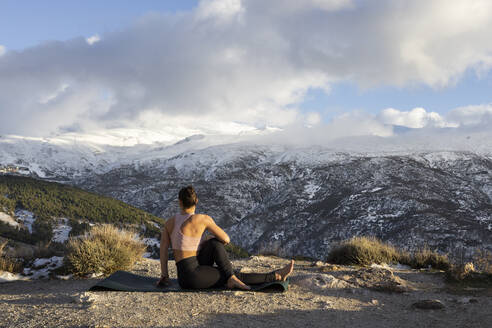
368	250
104	249
364	251
235	251
424	258
78	228
482	259
7	263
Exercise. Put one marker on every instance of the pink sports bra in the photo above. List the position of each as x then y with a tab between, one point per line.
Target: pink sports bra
182	242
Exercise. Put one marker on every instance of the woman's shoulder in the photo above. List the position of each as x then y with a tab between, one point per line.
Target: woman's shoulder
169	224
201	217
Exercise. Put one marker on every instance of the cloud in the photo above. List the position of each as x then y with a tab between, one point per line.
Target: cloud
93	39
476	115
246	61
462	129
416	118
3	50
473	116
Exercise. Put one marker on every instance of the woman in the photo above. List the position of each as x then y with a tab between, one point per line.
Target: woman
195	257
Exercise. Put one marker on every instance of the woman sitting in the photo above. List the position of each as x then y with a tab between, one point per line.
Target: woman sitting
195	258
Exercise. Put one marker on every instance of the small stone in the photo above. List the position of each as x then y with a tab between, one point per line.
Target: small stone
329	268
84	298
473	300
375	302
428	305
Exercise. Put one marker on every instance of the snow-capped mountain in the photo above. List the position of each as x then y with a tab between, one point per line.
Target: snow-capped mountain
291	200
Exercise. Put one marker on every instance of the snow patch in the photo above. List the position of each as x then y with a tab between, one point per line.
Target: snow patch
45	265
311	189
152	242
8	276
4	217
397	266
26	217
61	232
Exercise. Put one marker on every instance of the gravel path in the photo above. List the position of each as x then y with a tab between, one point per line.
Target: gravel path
317	297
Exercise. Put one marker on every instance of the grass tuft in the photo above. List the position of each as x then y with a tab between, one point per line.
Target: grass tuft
6	263
104	249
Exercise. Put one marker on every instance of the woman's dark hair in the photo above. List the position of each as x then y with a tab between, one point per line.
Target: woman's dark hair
188	197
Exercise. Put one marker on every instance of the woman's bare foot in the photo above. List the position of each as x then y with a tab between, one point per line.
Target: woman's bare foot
234	282
283	273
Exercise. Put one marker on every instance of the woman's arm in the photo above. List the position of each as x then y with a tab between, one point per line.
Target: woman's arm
164	255
216	230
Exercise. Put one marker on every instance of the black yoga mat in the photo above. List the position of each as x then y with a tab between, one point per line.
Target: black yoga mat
130	282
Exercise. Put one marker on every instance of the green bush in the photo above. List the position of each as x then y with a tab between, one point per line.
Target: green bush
78	228
104	249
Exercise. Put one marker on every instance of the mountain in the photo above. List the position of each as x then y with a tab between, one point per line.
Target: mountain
293	200
34	211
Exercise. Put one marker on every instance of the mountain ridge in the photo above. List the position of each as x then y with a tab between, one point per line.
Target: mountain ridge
290	200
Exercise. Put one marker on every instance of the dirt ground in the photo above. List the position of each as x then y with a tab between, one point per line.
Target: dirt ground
318	296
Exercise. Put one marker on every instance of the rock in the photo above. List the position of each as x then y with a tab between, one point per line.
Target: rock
375	302
379	279
329	267
428	305
94	275
317	281
84	298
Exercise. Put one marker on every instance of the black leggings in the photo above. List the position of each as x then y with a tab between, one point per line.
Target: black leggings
198	272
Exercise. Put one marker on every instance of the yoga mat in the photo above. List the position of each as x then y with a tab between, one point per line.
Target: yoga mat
130	282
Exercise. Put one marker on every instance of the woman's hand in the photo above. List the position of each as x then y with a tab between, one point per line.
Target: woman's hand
163	282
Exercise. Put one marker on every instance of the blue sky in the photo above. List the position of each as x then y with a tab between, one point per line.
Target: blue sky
362	64
28	22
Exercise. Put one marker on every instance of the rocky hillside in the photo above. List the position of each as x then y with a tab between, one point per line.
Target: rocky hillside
300	202
297	201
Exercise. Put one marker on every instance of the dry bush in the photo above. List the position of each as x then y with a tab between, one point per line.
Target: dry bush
460	272
425	258
482	259
104	249
236	252
7	263
364	251
368	250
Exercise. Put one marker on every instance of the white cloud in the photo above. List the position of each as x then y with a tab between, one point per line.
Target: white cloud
473	116
313	118
416	118
247	61
93	39
219	9
3	50
480	115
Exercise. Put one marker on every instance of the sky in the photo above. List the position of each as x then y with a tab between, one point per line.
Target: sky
330	68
